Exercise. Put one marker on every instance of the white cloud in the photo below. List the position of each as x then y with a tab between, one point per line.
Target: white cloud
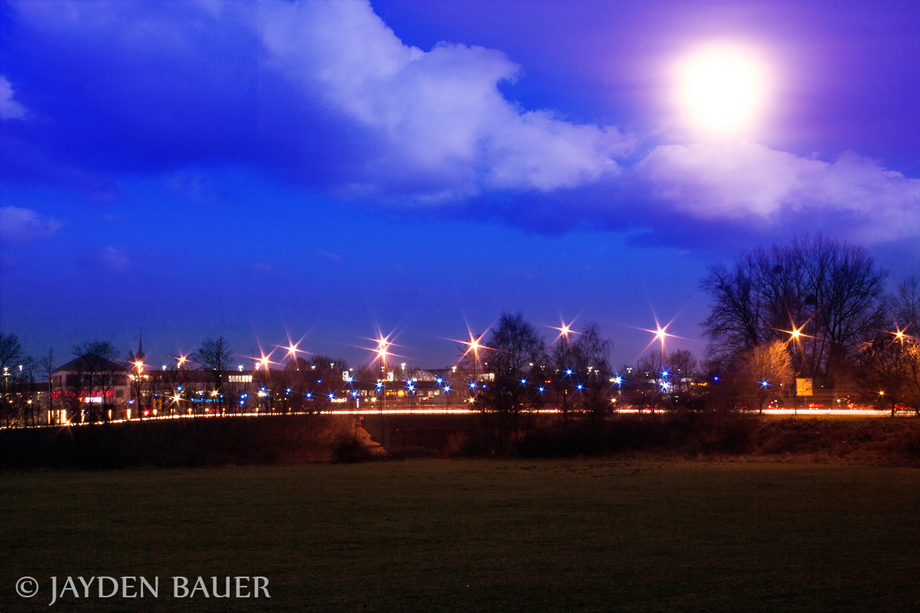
9	108
443	121
750	181
107	259
385	122
18	225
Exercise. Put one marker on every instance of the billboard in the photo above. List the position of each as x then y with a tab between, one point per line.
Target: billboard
803	387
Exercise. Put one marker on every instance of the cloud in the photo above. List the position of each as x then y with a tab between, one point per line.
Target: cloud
752	183
444	128
328	255
9	108
110	260
325	95
19	225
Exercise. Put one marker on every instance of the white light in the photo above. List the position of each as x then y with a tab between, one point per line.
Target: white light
722	88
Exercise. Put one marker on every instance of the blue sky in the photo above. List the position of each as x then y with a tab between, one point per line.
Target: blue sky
324	171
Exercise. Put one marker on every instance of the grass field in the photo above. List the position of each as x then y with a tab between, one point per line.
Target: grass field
476	535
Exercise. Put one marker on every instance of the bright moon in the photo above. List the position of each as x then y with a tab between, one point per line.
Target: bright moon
722	90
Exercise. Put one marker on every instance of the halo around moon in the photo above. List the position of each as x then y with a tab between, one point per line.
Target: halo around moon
721	89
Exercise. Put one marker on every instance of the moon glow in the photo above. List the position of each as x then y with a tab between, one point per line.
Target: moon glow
721	90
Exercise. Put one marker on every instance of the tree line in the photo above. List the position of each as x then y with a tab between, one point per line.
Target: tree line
816	309
811	309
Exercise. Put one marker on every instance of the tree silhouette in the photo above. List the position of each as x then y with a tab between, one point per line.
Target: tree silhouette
216	357
830	293
515	355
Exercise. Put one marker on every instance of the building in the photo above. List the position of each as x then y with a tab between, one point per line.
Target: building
90	388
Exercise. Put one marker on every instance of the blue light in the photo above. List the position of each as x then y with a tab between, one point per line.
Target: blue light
472	386
579	387
541	390
446	388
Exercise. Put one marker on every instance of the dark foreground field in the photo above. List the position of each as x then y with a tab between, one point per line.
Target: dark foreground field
476	535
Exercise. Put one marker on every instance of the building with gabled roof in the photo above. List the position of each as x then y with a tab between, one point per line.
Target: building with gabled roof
90	388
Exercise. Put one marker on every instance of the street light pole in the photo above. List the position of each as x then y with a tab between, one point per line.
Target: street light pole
382	355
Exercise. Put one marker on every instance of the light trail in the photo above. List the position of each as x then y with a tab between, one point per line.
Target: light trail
461	411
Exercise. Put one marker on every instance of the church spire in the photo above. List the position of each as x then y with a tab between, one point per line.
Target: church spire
139	356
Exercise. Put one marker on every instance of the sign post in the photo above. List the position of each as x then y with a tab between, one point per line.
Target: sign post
803	387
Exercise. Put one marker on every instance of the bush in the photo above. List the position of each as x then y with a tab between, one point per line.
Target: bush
349	450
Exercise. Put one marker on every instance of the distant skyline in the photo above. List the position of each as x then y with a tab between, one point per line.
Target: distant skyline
324	172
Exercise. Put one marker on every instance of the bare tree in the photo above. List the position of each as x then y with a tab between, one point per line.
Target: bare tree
295	377
905	307
99	371
829	293
660	375
30	366
11	355
515	355
580	368
326	376
736	322
682	366
46	365
216	357
890	361
766	373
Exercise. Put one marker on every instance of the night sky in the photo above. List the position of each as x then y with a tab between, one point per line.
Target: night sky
324	172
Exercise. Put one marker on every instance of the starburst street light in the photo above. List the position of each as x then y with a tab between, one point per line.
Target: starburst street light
382	350
660	334
383	344
565	329
796	334
797	353
473	345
